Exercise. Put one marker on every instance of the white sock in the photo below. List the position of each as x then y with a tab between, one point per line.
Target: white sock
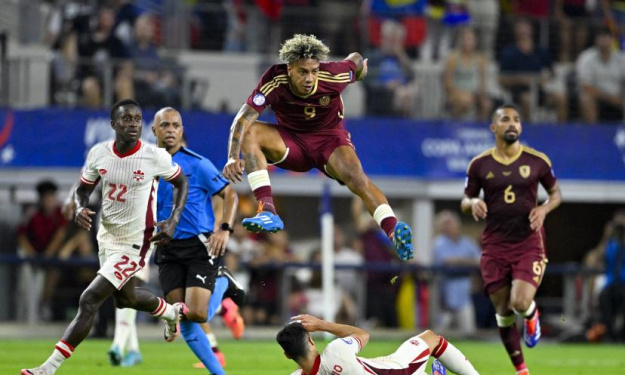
133	340
124	322
164	311
62	351
212	339
382	212
505	321
453	358
528	312
258	179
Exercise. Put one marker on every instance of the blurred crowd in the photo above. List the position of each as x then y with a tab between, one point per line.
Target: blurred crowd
282	276
560	60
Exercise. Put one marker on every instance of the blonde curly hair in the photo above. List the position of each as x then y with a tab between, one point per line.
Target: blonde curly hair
303	47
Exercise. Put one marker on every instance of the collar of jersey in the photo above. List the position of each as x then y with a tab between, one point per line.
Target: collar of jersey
503	161
315	368
314	90
129	152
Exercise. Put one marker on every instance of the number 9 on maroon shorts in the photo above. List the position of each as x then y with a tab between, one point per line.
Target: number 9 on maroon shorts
502	263
306	151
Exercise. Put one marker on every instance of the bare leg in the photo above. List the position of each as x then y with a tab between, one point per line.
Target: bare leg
90	300
345	166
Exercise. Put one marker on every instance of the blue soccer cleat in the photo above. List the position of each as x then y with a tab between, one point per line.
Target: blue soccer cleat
402	240
131	358
115	356
263	222
438	368
531	331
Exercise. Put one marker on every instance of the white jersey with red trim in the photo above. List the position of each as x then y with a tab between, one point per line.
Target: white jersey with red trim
340	358
129	184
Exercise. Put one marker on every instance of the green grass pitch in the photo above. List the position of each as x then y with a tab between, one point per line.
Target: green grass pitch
265	357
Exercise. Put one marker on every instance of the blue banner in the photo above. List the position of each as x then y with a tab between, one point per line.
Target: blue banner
386	147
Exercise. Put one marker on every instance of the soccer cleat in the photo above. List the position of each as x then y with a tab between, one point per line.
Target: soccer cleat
115	356
402	240
232	318
131	358
172	329
524	371
263	222
36	371
220	357
438	368
531	331
235	290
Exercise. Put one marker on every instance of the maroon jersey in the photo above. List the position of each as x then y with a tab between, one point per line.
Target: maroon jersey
510	191
321	109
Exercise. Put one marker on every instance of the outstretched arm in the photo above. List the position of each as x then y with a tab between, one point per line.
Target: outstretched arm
313	324
234	168
361	65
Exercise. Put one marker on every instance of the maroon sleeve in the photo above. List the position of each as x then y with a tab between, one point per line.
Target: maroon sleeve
547	177
341	67
472	185
264	93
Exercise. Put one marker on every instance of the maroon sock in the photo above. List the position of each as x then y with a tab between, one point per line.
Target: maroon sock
388	225
511	339
264	198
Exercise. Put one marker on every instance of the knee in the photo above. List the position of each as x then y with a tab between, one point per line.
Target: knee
122	302
430	338
249	138
354	177
197	316
520	303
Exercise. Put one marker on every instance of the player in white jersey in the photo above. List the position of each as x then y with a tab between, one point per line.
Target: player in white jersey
340	356
129	170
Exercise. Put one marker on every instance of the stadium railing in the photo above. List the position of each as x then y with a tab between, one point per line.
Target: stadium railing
575	302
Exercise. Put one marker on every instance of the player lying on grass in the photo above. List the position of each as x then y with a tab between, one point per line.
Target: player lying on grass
340	355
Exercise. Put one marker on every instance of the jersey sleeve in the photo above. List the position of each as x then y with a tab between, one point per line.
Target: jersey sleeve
210	178
472	184
165	166
264	94
547	176
344	347
90	175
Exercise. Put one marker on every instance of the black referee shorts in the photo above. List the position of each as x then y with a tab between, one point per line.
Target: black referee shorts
185	263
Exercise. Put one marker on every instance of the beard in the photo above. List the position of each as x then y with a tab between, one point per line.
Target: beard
510	137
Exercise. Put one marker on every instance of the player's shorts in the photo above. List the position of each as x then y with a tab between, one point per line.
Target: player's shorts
184	264
525	260
119	266
410	358
306	151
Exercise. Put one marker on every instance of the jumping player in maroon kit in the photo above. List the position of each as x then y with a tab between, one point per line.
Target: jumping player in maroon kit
514	258
305	94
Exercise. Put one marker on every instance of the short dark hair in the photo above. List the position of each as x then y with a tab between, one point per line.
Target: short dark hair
122	103
46	186
293	340
505	106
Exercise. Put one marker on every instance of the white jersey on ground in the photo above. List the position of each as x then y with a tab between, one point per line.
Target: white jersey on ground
129	184
340	358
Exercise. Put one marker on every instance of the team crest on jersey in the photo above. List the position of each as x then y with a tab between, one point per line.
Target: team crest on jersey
259	99
324	100
138	175
414	342
524	171
102	171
